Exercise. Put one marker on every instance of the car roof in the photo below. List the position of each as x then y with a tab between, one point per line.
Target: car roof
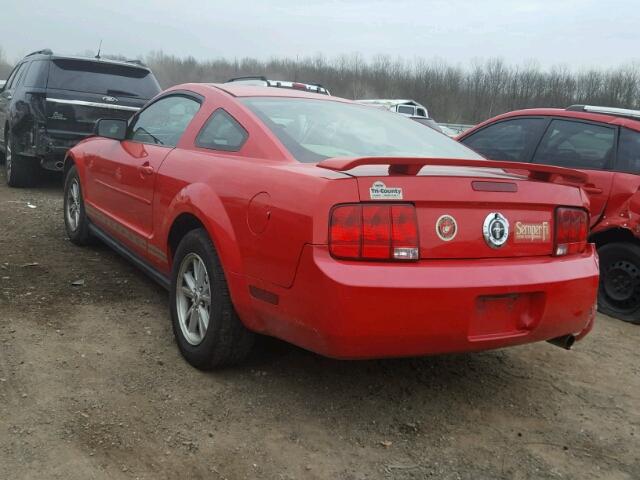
240	90
262	81
561	112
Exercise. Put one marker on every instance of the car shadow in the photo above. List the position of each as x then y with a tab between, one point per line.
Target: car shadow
483	380
44	181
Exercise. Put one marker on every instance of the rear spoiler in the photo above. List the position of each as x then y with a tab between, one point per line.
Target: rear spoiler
411	166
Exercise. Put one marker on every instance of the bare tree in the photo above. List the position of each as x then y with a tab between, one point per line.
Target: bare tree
5	66
451	92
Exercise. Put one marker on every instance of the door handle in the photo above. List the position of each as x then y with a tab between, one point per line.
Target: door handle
146	170
592	189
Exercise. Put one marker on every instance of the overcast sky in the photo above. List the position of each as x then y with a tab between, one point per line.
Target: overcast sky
578	33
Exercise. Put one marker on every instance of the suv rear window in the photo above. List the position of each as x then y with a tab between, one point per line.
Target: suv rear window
406	109
102	78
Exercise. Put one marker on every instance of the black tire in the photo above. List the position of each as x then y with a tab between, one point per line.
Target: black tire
619	292
77	228
20	170
226	340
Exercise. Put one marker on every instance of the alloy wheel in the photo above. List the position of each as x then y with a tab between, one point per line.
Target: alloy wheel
73	205
7	159
193	299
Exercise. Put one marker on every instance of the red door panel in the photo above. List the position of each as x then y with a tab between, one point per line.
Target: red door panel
122	180
598	187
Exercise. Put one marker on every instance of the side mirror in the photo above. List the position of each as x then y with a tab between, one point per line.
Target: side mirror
111	128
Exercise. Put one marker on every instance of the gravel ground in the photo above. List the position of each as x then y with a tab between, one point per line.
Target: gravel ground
92	387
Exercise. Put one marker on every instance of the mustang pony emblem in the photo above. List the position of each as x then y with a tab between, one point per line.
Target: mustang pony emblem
495	230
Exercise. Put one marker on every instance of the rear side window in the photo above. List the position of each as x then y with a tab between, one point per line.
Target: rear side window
407	110
576	145
164	121
14	79
629	151
37	74
102	78
222	132
510	140
11	77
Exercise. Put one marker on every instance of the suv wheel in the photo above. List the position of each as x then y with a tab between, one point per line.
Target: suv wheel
19	170
205	324
619	292
76	222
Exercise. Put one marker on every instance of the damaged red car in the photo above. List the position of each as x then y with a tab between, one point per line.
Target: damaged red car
347	230
604	143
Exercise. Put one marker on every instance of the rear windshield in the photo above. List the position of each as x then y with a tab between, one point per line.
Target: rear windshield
102	78
313	130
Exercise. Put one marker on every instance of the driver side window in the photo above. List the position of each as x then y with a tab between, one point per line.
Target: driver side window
163	122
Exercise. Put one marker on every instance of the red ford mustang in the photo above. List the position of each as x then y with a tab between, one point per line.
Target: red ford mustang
350	231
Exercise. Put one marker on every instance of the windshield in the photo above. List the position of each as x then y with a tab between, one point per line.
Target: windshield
313	130
103	78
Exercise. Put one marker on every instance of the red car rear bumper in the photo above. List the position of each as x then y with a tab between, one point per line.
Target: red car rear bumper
370	310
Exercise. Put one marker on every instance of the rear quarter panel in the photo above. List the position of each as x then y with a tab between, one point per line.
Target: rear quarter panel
623	206
260	214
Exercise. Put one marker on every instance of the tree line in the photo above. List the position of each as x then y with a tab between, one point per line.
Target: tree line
452	93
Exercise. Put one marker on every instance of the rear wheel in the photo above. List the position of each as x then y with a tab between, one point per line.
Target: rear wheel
19	169
619	292
205	324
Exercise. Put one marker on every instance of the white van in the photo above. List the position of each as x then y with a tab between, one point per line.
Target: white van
409	108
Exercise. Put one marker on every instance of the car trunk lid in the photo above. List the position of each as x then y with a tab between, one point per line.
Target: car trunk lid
462	205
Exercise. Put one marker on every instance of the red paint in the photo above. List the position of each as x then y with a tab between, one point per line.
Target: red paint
614	197
495	186
269	218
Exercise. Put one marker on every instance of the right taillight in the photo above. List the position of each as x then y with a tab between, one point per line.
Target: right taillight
572	229
377	231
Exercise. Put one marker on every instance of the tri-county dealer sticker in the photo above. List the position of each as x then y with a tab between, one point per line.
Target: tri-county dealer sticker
379	191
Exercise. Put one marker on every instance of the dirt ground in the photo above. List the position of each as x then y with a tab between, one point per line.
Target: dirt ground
92	387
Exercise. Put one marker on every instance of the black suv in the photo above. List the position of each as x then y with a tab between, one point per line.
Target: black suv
51	102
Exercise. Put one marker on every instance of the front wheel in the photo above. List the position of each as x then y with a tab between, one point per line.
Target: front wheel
76	222
205	324
619	291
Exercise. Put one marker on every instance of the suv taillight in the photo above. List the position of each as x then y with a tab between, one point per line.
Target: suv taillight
572	228
375	231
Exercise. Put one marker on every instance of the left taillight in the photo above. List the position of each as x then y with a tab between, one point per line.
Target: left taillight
374	232
572	229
